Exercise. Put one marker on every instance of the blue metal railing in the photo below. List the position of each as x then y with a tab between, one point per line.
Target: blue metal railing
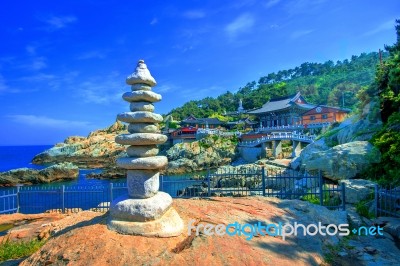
284	184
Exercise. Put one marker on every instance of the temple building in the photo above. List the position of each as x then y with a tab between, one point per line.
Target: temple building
295	110
284	111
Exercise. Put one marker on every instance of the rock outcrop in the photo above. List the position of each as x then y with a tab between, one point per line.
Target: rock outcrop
57	172
98	150
83	238
342	161
357	190
211	151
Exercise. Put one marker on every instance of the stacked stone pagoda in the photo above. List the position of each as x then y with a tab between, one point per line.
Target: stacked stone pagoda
144	210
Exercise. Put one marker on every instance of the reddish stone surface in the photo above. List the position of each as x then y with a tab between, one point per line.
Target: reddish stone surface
83	239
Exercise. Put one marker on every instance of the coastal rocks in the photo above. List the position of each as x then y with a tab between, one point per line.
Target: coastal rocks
58	172
357	189
144	210
98	150
210	151
342	161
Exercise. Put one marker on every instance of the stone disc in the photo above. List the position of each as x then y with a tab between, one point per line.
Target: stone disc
140	210
141	139
142	183
139	96
146	163
140	87
168	225
139	117
143	128
141	106
142	151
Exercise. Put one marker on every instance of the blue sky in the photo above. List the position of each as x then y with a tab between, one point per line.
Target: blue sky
63	64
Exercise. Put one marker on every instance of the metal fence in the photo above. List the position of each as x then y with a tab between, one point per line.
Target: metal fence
387	201
38	199
234	182
286	184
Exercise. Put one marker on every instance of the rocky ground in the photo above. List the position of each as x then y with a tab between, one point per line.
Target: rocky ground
83	238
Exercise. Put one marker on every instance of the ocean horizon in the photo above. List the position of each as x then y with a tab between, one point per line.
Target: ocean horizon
20	156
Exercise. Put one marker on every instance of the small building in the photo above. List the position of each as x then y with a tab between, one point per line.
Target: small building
323	114
184	134
192	121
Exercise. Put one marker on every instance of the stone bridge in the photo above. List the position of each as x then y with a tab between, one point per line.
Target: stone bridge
273	142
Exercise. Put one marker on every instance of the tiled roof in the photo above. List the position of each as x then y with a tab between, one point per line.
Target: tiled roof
210	121
283	103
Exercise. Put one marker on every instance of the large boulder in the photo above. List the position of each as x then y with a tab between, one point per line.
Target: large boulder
58	172
342	161
357	189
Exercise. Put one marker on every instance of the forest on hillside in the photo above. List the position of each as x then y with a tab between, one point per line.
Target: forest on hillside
330	83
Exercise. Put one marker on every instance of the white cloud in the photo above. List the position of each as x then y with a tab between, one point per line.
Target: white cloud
38	63
5	88
52	81
271	3
3	85
44	121
300	33
241	24
101	90
91	55
31	50
194	14
303	6
154	21
58	22
388	25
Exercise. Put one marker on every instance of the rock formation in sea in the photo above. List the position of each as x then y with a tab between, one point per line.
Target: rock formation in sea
57	172
97	150
144	210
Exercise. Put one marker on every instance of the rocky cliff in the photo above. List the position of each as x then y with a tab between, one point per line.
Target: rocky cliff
98	150
344	151
211	151
57	172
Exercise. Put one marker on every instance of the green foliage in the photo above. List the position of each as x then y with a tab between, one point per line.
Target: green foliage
387	140
327	198
388	79
173	125
14	250
362	208
318	83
